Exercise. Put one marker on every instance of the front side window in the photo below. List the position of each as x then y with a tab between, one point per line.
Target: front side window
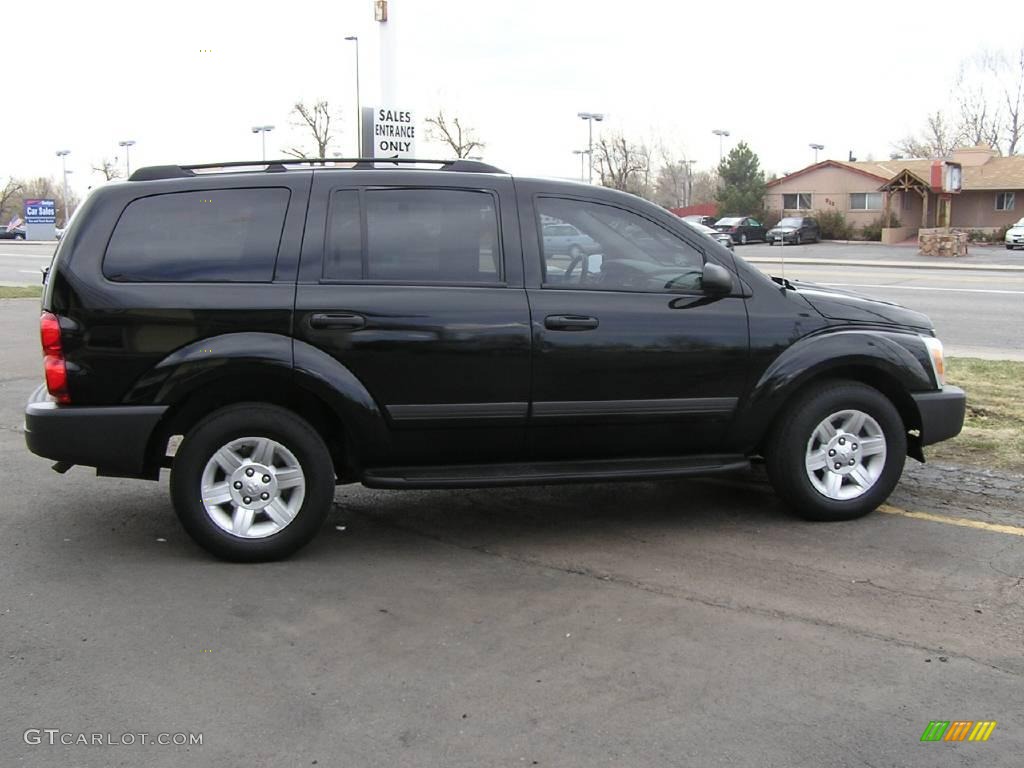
866	201
219	235
1005	201
413	235
614	250
799	201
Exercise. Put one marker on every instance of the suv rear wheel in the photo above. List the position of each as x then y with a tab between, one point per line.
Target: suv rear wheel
252	482
837	452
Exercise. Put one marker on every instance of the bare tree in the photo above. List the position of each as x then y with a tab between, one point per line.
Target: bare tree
705	185
316	118
938	139
622	164
1011	71
11	193
108	168
670	184
451	132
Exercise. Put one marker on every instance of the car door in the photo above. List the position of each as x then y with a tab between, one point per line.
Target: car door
630	356
417	290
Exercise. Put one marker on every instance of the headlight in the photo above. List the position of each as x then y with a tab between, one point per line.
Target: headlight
938	364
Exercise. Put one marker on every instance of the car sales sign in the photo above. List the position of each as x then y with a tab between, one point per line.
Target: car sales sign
40	212
393	132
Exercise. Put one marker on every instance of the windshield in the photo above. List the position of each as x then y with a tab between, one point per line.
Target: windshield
730	221
791	222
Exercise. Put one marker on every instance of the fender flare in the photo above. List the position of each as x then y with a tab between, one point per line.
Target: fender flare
278	360
900	358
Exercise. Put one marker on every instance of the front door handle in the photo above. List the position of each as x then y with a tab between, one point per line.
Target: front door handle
338	320
570	323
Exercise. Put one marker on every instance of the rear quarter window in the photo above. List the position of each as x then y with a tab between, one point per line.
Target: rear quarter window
219	235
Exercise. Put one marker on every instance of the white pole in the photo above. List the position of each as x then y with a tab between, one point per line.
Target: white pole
387	42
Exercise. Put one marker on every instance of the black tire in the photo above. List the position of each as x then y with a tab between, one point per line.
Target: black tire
743	238
798	240
787	447
1009	247
256	420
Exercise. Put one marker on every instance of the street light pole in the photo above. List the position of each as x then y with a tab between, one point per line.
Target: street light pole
816	147
263	130
721	134
359	109
62	154
591	118
127	144
583	153
689	181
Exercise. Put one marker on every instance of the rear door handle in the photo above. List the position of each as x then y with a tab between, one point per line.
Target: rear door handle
339	320
570	323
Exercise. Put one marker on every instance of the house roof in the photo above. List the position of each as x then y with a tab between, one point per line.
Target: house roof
997	173
831	164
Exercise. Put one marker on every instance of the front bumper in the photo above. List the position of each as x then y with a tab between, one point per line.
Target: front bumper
781	237
942	413
114	439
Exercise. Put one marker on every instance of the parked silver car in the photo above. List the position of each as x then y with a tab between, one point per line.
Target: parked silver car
1015	236
723	237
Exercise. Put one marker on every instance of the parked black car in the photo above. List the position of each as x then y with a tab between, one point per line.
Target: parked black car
17	233
742	228
303	325
796	230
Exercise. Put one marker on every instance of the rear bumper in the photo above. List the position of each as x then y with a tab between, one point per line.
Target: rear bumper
942	413
113	439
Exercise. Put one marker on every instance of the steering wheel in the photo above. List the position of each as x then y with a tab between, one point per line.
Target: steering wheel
576	261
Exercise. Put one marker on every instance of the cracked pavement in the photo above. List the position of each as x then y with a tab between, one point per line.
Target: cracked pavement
683	623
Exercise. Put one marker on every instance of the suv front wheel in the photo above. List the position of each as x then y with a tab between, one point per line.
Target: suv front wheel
252	482
837	452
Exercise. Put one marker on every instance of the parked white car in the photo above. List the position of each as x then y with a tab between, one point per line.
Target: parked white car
1015	236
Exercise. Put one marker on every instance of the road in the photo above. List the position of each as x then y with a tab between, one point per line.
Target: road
20	262
975	311
685	623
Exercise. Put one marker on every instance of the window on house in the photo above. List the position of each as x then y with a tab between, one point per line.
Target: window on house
799	201
866	201
1005	201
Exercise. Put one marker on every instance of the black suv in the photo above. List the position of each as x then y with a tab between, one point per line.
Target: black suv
300	324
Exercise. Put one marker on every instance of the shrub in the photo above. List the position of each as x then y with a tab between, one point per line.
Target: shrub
873	230
769	218
833	225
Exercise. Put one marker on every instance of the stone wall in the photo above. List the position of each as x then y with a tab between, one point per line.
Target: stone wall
940	241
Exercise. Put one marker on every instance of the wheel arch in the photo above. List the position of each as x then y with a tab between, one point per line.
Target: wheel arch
874	359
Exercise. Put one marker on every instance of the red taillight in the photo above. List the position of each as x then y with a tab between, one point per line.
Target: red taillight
53	358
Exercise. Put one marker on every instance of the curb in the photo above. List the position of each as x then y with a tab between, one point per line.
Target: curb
875	263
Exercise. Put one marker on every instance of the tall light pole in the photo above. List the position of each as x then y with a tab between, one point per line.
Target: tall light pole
689	181
62	154
127	144
582	153
591	118
359	110
721	134
816	147
263	130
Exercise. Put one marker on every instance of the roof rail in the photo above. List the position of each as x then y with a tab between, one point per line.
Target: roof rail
154	172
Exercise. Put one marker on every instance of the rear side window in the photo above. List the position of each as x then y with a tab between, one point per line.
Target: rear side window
447	236
220	235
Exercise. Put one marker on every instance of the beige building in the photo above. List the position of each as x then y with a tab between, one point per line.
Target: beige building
991	196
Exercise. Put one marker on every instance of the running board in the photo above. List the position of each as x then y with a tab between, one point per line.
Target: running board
550	472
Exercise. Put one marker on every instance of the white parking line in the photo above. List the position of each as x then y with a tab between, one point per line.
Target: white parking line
46	256
924	288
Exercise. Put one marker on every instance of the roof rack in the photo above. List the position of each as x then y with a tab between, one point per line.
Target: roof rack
154	172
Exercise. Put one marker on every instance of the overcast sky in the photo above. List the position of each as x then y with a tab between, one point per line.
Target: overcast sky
83	75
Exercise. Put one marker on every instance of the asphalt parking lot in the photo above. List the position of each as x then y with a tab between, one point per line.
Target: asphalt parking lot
685	623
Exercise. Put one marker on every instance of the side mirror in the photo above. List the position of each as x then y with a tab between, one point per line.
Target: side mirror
716	279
